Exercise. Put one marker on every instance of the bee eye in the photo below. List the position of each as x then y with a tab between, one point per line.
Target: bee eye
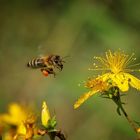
56	61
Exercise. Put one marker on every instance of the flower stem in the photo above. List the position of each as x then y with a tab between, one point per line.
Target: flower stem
52	134
130	121
116	98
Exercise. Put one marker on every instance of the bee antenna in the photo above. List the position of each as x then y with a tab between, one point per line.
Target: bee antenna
65	56
63	61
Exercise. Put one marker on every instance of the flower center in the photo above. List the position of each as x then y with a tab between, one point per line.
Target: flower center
115	62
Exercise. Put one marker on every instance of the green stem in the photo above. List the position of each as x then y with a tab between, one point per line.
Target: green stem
130	121
114	94
52	136
118	102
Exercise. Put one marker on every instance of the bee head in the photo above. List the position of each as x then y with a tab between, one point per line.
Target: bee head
58	62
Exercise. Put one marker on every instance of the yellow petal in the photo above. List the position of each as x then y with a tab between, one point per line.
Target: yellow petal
12	117
83	98
105	77
21	129
121	81
45	114
133	81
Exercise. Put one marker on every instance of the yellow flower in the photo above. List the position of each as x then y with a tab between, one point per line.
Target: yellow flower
45	114
96	85
118	66
16	114
27	129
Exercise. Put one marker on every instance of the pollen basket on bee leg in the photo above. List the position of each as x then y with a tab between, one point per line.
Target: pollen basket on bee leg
45	72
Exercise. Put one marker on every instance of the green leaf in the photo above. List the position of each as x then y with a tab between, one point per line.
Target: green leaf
51	124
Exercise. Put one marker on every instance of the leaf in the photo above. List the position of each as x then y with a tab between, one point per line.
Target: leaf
118	111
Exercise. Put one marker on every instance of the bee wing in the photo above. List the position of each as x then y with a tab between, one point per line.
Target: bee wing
43	50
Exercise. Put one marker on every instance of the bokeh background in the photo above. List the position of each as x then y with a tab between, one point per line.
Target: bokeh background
80	29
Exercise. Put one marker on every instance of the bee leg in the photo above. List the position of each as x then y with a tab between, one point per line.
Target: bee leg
60	67
47	71
42	70
51	71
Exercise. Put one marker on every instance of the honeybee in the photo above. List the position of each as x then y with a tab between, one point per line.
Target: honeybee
47	64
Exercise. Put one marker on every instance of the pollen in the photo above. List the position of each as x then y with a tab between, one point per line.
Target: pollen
96	84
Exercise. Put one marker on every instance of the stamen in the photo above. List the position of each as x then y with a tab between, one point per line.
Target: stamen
100	69
115	62
133	65
132	70
130	59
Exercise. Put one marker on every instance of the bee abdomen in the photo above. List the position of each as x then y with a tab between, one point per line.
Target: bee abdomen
36	63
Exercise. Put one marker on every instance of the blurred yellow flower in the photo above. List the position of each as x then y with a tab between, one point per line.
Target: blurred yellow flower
117	66
7	136
138	130
16	114
45	114
96	85
27	128
21	129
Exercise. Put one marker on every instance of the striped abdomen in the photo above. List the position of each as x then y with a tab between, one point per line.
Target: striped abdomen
36	63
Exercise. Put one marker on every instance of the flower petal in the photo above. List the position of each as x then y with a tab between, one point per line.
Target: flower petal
133	81
83	98
21	129
12	117
45	114
121	81
105	76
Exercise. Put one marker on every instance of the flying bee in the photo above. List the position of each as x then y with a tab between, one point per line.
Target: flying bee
47	64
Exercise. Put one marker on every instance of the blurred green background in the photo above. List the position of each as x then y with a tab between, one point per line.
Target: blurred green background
80	29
